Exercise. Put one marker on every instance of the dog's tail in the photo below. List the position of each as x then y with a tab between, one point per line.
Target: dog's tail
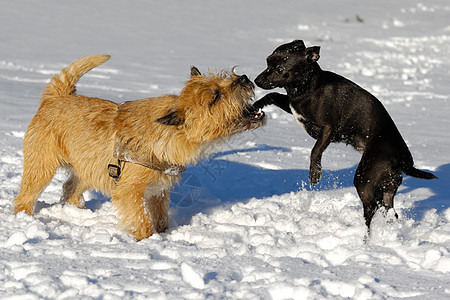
63	84
411	171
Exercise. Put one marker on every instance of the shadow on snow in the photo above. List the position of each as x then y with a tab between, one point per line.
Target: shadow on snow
440	187
218	182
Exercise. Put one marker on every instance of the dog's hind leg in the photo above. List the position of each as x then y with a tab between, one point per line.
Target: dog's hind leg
390	187
388	200
368	195
37	173
73	190
376	181
369	191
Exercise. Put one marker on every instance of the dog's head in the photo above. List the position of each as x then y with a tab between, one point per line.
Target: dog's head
288	65
214	106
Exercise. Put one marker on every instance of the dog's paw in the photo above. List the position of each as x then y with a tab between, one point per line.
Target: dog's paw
264	101
315	174
259	104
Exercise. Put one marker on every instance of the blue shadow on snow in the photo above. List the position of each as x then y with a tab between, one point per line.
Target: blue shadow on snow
218	182
440	187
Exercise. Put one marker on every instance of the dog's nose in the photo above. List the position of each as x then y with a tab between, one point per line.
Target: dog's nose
244	79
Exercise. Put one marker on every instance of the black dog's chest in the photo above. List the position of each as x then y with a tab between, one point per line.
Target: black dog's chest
299	117
309	125
313	128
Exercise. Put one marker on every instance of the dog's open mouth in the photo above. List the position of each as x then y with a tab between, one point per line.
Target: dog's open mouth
253	114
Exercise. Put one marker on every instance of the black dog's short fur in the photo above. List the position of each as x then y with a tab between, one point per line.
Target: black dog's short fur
333	109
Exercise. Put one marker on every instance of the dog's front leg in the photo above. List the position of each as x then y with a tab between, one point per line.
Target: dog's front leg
130	200
158	207
280	100
315	168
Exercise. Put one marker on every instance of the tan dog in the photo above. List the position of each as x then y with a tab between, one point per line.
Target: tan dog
133	151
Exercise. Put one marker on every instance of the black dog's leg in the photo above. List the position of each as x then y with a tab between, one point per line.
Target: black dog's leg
388	199
369	184
280	100
367	194
315	168
390	187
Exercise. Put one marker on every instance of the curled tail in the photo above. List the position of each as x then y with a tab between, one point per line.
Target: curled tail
63	84
411	171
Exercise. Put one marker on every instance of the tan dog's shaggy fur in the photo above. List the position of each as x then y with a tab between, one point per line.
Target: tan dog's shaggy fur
84	135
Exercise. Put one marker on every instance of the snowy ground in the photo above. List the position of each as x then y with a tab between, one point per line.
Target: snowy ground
244	224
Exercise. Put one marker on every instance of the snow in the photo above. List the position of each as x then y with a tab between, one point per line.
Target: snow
245	224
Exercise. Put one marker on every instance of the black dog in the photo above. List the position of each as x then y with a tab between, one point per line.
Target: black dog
333	109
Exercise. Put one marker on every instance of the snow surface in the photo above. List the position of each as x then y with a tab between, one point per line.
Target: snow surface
244	224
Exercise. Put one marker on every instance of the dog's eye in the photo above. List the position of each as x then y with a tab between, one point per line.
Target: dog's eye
279	70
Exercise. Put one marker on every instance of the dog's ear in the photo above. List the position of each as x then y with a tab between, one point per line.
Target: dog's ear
173	117
312	53
298	45
195	72
216	97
